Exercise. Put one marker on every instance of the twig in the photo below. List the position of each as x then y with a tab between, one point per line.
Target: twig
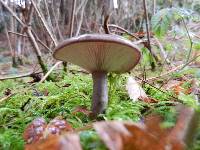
44	22
49	21
163	54
17	76
44	45
105	24
37	39
29	73
16	92
148	33
124	30
6	97
48	73
71	29
158	89
191	42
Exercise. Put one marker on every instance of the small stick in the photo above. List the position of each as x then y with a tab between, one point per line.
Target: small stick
124	30
148	33
6	97
17	76
48	73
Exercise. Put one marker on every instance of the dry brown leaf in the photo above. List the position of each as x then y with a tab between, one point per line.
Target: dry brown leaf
82	109
172	83
175	86
126	136
112	133
148	136
148	99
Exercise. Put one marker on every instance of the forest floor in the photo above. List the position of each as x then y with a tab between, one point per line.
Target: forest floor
22	99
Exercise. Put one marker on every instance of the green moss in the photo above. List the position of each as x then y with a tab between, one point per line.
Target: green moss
51	99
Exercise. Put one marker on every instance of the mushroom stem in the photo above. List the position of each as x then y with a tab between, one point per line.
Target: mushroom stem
100	93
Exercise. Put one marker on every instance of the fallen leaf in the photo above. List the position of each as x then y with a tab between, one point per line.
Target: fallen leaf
126	136
46	92
148	99
176	87
82	109
135	91
172	83
150	135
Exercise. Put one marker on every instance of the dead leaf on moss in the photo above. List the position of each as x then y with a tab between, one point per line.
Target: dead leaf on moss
148	136
82	109
134	90
148	100
117	135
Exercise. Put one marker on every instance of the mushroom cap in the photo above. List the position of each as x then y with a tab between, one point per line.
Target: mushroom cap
99	53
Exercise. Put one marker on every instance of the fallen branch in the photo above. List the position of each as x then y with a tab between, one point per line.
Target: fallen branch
18	76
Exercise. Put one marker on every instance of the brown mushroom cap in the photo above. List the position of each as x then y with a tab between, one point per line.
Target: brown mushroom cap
99	52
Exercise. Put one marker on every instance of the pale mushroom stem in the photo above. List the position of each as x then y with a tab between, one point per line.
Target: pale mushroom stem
100	93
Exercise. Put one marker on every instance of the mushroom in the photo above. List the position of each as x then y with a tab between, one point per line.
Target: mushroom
99	54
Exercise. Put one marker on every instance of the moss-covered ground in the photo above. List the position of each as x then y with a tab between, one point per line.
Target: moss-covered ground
51	99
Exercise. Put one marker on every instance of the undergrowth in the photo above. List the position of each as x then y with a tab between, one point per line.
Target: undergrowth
51	99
